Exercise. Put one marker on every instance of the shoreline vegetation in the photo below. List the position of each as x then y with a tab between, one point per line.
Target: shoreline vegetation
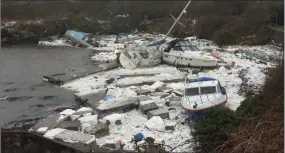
225	23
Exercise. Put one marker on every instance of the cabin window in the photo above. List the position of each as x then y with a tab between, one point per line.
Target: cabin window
208	90
177	48
192	91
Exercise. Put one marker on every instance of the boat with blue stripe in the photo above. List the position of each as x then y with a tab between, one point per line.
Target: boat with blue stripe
201	94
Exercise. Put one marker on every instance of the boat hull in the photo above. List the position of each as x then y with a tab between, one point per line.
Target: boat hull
196	115
190	62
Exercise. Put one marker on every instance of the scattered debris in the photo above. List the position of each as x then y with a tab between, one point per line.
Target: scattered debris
162	112
144	108
155	123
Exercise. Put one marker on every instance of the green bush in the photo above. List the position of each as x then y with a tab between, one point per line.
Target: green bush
213	129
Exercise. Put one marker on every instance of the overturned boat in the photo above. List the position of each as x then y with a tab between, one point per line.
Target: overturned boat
201	94
180	52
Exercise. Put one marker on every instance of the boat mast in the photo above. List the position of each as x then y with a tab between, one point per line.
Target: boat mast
177	19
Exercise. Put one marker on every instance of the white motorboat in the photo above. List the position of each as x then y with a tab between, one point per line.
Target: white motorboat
201	94
180	52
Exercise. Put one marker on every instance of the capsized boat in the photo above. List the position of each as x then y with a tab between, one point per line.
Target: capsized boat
201	94
180	52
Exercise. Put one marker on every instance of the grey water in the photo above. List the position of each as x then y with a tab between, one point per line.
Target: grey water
26	98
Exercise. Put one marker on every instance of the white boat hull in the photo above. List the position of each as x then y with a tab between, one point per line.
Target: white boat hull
177	60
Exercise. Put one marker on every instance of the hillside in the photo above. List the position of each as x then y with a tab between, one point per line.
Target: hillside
223	22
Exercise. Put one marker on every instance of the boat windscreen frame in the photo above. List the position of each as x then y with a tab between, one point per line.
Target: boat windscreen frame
181	45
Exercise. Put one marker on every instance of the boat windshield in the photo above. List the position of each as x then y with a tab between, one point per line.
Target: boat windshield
186	46
208	90
191	91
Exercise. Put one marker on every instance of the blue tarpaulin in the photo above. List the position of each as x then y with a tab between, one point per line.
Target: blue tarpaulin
109	97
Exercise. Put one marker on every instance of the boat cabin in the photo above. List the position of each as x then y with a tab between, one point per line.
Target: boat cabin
203	93
181	45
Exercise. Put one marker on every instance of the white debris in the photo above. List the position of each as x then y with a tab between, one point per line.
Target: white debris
59	42
104	56
113	118
84	109
42	129
87	114
156	85
53	132
175	86
67	112
74	117
134	122
146	102
62	118
91	120
155	123
84	126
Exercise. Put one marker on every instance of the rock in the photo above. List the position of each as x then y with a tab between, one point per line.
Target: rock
167	103
100	130
159	94
110	80
118	122
155	123
148	107
170	125
142	92
70	125
163	113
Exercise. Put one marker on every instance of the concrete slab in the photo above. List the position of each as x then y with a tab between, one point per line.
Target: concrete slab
72	74
148	107
118	105
162	112
143	98
148	81
142	92
75	137
70	125
49	122
159	94
91	100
